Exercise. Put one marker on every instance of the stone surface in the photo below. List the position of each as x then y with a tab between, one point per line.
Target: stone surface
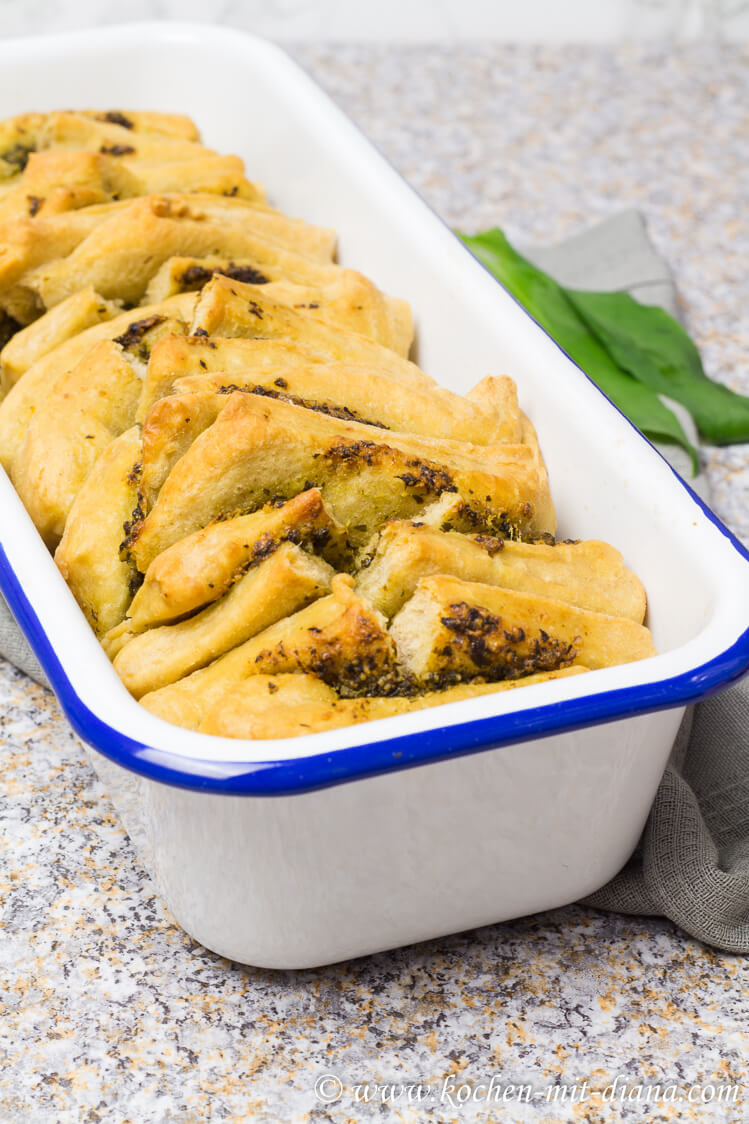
111	1013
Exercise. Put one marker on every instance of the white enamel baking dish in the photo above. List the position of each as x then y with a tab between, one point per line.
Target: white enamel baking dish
299	852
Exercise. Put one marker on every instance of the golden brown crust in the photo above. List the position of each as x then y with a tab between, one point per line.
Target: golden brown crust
591	575
337	638
498	394
158	136
136	328
68	433
277	587
89	554
17	139
170	428
257	695
164	134
277	707
329	293
231	309
53	182
452	630
58	180
353	302
260	448
83	310
175	357
121	254
202	567
30	242
362	394
136	121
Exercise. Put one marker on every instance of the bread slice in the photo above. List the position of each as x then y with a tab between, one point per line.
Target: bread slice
68	433
30	242
171	427
178	356
498	395
591	575
203	354
280	585
138	121
201	171
28	133
145	136
259	448
60	180
342	391
452	630
326	292
89	553
256	697
339	638
232	309
54	182
364	395
265	263
121	254
83	310
79	417
203	566
278	707
135	331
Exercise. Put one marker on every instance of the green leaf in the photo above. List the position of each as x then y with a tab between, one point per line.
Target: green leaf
652	346
549	305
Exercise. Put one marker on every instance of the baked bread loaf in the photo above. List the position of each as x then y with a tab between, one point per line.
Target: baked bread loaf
275	522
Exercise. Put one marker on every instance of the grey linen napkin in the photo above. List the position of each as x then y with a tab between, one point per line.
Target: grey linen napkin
692	862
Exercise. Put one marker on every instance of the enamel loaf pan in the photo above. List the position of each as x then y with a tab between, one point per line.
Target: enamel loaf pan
305	851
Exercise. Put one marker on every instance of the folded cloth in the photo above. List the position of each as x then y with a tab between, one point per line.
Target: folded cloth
692	863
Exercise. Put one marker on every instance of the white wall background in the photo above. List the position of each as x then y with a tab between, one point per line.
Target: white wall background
406	20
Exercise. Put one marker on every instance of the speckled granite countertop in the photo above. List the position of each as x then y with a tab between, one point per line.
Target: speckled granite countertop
111	1013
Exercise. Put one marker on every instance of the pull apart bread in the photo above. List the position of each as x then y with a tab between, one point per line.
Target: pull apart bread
255	496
